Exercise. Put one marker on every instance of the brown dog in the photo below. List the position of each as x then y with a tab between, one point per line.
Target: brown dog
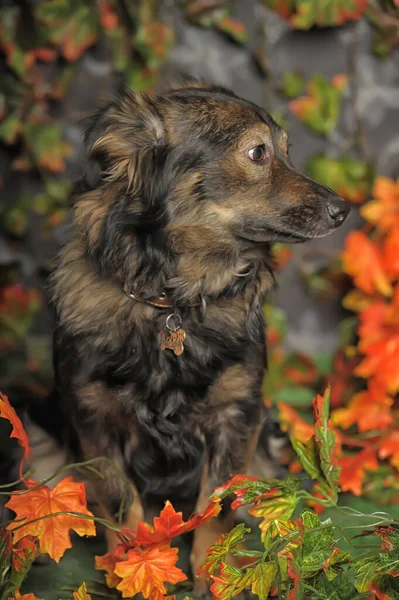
160	339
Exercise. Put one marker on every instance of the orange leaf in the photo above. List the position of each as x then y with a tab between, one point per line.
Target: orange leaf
390	448
18	596
391	252
24	553
292	422
52	532
81	593
108	563
384	210
353	470
18	432
170	524
362	259
370	409
147	572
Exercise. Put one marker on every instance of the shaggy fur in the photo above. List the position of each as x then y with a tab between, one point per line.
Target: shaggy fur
172	202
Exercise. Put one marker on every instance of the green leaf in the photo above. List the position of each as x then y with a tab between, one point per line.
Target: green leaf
325	440
10	128
234	29
73	26
218	552
365	571
308	455
262	579
15	221
293	83
387	585
46	145
320	109
304	14
350	178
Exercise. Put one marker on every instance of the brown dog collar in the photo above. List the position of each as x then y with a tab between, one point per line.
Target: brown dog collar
161	301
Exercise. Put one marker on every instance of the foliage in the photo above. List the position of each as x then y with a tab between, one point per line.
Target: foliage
299	556
303	14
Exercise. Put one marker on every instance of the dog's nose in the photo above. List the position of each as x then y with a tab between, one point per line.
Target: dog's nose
338	210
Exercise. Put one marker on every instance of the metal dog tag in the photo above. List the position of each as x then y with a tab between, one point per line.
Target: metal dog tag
173	337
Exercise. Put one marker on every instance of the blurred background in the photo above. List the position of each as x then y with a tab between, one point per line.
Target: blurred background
327	71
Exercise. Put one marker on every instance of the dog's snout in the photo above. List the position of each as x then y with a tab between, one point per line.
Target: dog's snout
338	210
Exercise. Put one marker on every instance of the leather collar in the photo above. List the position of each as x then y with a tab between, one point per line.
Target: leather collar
163	301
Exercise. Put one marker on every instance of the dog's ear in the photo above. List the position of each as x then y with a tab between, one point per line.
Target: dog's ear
119	138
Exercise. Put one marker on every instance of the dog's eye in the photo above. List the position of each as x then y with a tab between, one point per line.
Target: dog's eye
258	154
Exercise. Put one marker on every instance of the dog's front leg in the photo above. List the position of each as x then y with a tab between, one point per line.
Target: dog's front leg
231	446
114	492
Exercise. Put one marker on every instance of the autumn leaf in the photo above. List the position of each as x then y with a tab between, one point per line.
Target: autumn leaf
383	211
18	596
262	578
363	260
81	593
47	146
379	342
225	583
390	252
52	532
24	553
170	524
326	439
389	448
303	14
108	562
73	26
147	571
353	470
18	432
319	110
369	409
350	178
292	422
223	546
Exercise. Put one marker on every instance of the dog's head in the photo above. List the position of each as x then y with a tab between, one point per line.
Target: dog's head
198	158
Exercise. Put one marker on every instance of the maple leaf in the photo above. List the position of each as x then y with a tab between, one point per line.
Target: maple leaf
292	422
147	571
81	593
52	532
389	448
170	524
369	409
384	210
18	596
379	342
353	470
225	584
223	546
277	508
363	260
108	562
18	432
24	553
325	439
390	252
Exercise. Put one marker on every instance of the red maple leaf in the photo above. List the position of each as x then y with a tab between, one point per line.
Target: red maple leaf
353	470
18	432
170	524
384	210
369	409
52	532
363	260
389	448
147	571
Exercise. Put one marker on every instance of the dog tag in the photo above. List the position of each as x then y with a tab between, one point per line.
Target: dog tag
173	337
